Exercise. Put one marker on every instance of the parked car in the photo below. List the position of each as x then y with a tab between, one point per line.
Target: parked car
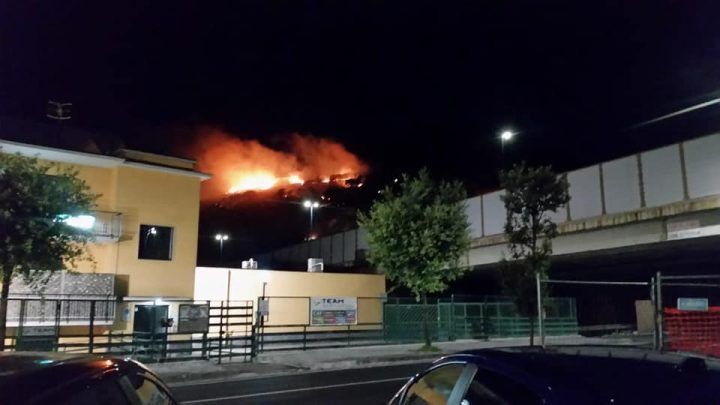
54	378
566	375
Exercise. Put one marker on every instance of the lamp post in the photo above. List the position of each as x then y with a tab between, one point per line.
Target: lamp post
221	237
505	136
311	205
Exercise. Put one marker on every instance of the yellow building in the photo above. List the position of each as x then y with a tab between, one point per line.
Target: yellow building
289	293
145	226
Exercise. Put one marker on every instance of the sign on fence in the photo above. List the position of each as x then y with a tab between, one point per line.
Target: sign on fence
193	318
333	311
264	306
692	304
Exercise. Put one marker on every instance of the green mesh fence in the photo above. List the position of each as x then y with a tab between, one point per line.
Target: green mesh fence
487	318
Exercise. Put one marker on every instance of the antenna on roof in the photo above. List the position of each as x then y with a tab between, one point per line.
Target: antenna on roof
59	111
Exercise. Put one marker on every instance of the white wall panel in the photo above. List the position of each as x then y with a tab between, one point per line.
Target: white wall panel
585	194
622	185
326	249
494	213
337	248
295	253
362	243
474	213
559	216
349	246
702	161
315	248
661	176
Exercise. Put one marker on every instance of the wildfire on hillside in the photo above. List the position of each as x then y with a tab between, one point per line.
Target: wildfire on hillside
240	166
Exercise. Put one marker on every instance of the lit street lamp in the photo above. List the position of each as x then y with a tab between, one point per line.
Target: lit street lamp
221	237
505	136
311	205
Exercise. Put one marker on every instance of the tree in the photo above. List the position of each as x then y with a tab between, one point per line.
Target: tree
531	194
36	199
417	233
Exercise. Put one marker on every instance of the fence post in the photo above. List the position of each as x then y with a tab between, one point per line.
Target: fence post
659	310
91	342
56	345
653	300
220	335
304	337
451	336
541	325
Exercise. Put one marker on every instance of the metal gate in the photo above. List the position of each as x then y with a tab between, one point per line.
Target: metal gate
679	312
219	330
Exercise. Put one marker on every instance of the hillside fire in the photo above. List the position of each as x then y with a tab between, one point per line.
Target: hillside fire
240	166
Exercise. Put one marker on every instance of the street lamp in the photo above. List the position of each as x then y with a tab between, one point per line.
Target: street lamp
221	237
311	205
505	136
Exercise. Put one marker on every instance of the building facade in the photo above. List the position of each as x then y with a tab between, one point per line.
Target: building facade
145	228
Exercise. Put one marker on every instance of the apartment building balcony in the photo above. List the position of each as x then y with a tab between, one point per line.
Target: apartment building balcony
107	226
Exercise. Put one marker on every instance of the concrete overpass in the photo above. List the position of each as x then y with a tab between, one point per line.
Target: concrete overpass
666	198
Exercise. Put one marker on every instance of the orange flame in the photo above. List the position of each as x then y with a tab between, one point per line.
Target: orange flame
243	165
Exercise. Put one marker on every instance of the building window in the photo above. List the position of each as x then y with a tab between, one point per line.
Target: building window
155	242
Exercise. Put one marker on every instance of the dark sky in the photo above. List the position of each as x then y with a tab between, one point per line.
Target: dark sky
401	83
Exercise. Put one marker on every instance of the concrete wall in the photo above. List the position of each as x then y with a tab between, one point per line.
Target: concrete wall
658	178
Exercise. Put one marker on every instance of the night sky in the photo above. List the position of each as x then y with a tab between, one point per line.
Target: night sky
402	84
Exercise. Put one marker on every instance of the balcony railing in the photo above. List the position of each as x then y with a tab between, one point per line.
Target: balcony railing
61	311
108	226
62	299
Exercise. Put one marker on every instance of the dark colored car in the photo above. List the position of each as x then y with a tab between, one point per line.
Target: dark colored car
53	378
567	375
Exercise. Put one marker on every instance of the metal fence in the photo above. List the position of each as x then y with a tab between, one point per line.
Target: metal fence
678	312
288	324
224	331
471	318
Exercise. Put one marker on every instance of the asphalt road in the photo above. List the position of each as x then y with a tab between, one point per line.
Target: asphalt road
356	386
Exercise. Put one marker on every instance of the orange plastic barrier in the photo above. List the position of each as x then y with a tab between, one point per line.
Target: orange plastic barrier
693	331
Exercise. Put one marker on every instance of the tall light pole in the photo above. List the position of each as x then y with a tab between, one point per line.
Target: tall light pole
311	205
505	136
221	237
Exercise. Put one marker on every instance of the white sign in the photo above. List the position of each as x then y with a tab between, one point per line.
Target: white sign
694	232
692	304
264	307
333	311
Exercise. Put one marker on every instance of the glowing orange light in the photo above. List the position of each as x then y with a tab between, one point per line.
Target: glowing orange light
255	181
240	165
295	179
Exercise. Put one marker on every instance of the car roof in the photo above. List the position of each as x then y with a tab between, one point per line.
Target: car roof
615	373
28	374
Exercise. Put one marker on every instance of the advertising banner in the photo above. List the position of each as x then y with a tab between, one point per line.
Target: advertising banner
333	311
